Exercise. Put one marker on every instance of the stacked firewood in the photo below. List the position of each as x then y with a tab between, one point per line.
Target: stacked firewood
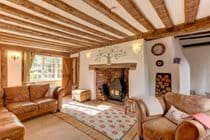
100	95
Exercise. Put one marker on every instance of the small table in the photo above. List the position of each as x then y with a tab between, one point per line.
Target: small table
130	105
81	95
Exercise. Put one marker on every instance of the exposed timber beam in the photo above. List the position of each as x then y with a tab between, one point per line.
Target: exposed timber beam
30	32
98	5
73	11
160	7
47	23
45	29
201	24
35	50
191	9
53	15
135	12
28	41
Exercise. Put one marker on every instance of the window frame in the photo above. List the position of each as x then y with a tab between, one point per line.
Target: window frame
43	69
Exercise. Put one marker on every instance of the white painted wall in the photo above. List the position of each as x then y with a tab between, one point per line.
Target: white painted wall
137	78
184	69
168	66
14	69
199	60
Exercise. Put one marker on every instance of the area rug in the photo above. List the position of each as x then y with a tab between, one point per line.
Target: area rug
110	122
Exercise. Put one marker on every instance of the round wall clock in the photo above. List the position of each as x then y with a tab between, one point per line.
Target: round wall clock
159	63
158	49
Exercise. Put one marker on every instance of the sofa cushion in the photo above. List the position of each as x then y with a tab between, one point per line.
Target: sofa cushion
189	104
159	129
38	91
1	97
46	102
16	94
175	115
3	109
10	126
22	107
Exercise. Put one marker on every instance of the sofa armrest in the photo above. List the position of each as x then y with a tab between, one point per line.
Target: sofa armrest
190	129
58	95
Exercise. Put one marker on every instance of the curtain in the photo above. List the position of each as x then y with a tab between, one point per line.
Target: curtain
28	58
4	68
67	75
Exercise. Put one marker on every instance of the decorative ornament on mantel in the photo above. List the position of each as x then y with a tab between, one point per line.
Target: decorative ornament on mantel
109	53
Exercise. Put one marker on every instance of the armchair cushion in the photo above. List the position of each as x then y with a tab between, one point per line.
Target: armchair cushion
159	129
38	91
16	94
175	115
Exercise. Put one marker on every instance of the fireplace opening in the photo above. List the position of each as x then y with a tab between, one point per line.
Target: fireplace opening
112	84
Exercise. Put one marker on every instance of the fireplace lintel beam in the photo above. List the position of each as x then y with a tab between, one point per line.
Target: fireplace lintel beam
130	66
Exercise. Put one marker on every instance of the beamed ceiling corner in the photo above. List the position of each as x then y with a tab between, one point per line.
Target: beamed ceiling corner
68	27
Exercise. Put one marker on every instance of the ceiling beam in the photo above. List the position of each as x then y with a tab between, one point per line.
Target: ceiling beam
48	37
191	9
53	15
160	7
201	24
73	11
44	22
35	50
135	12
28	41
45	29
106	11
30	44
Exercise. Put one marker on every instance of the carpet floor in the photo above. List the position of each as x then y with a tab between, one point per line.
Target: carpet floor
50	127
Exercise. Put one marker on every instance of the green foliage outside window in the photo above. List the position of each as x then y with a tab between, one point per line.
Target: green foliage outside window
46	68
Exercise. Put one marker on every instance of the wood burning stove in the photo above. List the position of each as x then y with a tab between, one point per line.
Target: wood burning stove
116	87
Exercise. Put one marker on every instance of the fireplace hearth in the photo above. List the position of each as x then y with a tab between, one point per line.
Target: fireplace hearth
112	83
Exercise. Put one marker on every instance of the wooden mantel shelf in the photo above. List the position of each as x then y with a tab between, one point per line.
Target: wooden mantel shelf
130	66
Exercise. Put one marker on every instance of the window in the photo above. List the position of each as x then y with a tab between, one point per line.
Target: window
46	68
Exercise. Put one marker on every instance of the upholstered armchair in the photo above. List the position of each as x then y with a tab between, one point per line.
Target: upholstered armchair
157	127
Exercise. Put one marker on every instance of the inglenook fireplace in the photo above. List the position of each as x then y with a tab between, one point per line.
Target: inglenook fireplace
112	81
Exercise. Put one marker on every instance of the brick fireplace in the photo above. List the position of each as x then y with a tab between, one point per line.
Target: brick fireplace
112	81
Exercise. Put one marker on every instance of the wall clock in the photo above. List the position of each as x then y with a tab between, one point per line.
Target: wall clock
158	49
159	63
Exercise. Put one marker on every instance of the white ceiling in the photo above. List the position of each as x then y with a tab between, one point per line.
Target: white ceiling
174	7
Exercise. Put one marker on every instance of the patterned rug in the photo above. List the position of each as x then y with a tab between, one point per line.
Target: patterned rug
110	122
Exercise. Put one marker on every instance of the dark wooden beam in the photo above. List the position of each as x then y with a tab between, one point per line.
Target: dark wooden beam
160	7
46	36
46	29
31	42
44	22
201	24
98	5
38	51
73	11
191	9
61	18
135	12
